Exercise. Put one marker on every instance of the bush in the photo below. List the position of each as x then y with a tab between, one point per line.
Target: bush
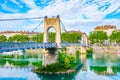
90	50
66	61
52	68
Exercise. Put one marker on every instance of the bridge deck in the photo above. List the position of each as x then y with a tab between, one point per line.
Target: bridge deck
12	46
7	47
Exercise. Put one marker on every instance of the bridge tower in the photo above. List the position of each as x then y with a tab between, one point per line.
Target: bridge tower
84	42
49	55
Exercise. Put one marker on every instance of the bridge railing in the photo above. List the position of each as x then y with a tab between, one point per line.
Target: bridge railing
25	45
73	44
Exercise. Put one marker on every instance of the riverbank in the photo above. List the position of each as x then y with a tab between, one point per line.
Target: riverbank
36	70
105	49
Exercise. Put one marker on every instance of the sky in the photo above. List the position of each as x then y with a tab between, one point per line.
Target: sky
83	15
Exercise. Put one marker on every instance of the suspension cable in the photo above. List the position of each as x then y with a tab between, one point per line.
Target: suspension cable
38	25
21	19
63	26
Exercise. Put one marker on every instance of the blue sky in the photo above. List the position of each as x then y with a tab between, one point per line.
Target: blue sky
83	15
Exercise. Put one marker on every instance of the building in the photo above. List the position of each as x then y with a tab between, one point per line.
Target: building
75	31
83	42
106	28
84	39
12	33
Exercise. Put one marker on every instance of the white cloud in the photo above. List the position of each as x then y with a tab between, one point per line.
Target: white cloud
17	3
5	7
71	13
30	3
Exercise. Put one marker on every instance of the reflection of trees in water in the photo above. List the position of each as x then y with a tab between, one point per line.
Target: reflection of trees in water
21	62
104	69
107	57
2	62
104	64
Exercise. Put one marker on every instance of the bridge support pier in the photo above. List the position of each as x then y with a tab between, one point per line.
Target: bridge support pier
83	49
49	56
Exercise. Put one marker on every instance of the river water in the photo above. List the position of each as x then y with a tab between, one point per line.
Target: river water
96	67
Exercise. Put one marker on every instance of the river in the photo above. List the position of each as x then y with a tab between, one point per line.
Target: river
96	67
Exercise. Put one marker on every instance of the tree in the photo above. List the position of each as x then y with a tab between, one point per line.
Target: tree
3	38
66	62
11	39
72	60
61	58
98	37
19	38
115	37
71	37
51	36
37	38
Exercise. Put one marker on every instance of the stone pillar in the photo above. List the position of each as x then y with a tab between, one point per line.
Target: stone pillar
55	23
49	56
83	49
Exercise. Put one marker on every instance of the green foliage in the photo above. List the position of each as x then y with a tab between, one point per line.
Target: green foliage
20	63
66	37
2	61
7	56
97	37
77	56
51	36
3	38
19	38
98	68
115	37
66	61
116	69
37	38
37	64
72	60
31	56
64	49
77	53
90	50
52	68
21	56
10	39
71	37
61	57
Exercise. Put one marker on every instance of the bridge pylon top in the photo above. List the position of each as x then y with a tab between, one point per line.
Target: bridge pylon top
52	17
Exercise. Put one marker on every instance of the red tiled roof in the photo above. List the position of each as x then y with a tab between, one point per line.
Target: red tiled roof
105	27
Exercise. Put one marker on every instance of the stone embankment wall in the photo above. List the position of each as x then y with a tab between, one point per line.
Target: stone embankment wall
106	49
34	51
